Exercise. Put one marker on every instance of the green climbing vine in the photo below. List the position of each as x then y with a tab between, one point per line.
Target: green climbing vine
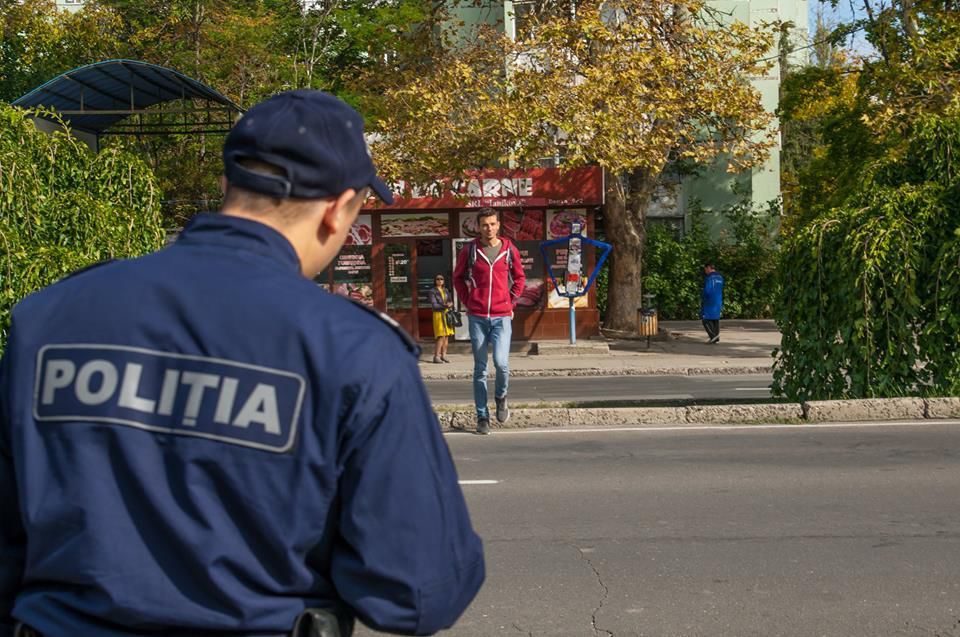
63	208
871	289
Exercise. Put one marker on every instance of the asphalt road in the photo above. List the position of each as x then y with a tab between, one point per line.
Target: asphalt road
587	388
739	531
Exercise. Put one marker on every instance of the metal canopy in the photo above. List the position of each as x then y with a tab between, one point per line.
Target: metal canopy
97	98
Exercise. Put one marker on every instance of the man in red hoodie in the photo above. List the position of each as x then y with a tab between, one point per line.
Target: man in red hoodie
489	277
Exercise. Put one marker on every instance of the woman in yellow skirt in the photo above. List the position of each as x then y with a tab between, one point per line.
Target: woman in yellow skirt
440	301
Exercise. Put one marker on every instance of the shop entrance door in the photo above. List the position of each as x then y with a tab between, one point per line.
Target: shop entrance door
433	259
400	264
411	269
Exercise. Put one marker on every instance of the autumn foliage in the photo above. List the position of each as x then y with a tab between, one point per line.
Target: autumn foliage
630	85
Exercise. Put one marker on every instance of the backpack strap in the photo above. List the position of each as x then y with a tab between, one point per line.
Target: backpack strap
509	261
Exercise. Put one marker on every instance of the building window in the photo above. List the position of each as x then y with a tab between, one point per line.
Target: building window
528	13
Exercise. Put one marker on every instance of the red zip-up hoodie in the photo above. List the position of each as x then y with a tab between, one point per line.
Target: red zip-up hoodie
486	288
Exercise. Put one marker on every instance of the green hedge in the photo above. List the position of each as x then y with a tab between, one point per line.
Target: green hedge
745	252
871	298
63	208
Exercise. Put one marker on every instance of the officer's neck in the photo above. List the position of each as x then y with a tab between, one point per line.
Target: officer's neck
492	243
300	232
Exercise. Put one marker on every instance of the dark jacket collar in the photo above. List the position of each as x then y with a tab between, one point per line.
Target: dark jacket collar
241	234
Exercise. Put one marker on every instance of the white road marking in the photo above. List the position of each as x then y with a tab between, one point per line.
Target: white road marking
751	389
479	481
842	425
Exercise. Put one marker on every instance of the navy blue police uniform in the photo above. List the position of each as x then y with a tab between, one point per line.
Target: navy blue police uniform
201	441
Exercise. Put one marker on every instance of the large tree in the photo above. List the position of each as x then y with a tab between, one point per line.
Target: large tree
246	49
629	85
355	47
38	42
250	49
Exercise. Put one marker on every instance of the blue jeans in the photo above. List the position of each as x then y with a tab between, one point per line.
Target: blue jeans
484	332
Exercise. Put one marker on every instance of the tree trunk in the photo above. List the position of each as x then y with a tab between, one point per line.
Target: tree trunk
624	217
909	18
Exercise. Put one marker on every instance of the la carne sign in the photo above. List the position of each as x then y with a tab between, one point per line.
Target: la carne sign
537	187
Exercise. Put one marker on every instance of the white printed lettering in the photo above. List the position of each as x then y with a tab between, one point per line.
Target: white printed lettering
171	394
108	382
198	383
128	390
168	392
228	393
260	407
59	374
524	187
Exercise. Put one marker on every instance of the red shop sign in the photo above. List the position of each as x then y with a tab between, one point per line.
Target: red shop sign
504	188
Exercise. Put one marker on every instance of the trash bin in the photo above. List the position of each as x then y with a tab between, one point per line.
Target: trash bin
647	318
647	322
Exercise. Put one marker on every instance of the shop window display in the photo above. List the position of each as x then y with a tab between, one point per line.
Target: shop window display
420	224
352	273
519	226
559	222
399	274
534	290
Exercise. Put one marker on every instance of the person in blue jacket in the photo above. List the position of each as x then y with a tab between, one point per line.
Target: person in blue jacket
201	441
711	302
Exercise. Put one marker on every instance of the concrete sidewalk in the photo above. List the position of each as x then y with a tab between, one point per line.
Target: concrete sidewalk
681	347
745	347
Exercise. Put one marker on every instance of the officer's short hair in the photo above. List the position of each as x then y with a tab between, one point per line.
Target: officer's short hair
265	205
257	203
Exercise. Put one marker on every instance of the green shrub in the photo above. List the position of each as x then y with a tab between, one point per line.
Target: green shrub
871	289
745	252
603	286
63	208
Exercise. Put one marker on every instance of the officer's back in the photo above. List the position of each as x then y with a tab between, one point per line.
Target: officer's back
201	441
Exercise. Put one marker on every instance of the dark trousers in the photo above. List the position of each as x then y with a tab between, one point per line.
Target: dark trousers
712	326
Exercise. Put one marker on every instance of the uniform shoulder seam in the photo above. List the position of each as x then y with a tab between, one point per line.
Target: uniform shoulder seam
408	342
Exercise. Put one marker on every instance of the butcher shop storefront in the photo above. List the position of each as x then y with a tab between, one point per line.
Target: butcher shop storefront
394	252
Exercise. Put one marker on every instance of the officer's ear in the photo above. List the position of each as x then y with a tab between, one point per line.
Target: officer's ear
340	213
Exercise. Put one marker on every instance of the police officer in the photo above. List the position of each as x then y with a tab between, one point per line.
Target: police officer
203	442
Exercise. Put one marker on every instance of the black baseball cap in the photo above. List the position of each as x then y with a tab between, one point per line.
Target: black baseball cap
315	138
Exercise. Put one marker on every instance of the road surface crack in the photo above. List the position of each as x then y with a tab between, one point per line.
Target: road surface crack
606	591
521	630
